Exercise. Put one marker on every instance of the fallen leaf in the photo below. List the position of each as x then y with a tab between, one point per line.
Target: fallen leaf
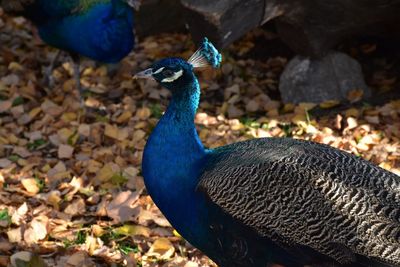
234	112
30	185
329	104
143	113
5	105
5	246
372	119
84	129
19	215
79	259
77	207
65	151
26	259
132	230
37	230
15	235
5	163
121	208
352	112
351	123
107	172
162	248
252	106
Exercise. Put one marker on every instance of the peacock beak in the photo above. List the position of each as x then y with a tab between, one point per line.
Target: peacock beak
146	74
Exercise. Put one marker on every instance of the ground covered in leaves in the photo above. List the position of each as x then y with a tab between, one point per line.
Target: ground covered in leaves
71	191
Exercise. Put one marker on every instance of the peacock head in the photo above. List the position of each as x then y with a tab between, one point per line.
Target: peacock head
174	73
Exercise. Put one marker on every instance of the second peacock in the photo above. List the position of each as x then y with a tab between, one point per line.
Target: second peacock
269	200
101	30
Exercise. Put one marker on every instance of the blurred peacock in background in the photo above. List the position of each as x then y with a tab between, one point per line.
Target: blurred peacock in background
101	30
267	200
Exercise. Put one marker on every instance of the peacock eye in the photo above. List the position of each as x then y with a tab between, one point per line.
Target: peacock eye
168	73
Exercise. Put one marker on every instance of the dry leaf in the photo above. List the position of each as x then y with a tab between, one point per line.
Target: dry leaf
65	151
372	119
5	246
116	133
80	259
92	243
5	163
234	112
26	259
133	230
19	215
37	230
84	129
351	123
352	112
30	185
146	217
5	105
121	208
15	235
329	104
162	248
252	106
77	207
355	95
107	172
143	113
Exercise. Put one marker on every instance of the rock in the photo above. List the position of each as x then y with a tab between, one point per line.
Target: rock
313	27
222	21
320	80
158	16
310	28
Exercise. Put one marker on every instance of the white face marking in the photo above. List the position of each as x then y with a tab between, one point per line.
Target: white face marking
173	77
159	70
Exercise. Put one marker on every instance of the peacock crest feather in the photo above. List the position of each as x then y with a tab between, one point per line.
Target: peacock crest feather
206	55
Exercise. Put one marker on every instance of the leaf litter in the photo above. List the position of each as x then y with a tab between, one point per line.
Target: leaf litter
71	187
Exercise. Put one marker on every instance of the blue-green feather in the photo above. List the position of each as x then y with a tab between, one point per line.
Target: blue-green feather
101	30
210	53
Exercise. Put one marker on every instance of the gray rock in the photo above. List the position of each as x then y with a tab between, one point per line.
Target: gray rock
222	21
310	28
319	80
159	16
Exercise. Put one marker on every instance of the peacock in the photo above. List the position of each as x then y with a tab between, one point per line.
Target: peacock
269	200
101	30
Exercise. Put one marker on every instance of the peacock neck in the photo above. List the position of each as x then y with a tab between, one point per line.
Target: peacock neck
173	154
173	160
183	107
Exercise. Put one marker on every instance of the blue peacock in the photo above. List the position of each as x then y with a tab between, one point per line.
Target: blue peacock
98	29
267	200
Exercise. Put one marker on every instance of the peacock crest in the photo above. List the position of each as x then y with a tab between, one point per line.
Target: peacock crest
206	55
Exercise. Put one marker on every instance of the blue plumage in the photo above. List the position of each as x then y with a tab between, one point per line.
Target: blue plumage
101	30
98	29
271	200
104	32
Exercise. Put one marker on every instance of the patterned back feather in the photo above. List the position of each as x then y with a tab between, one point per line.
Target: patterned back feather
303	193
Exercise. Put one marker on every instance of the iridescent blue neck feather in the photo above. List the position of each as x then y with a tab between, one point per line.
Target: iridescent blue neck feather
172	163
174	157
